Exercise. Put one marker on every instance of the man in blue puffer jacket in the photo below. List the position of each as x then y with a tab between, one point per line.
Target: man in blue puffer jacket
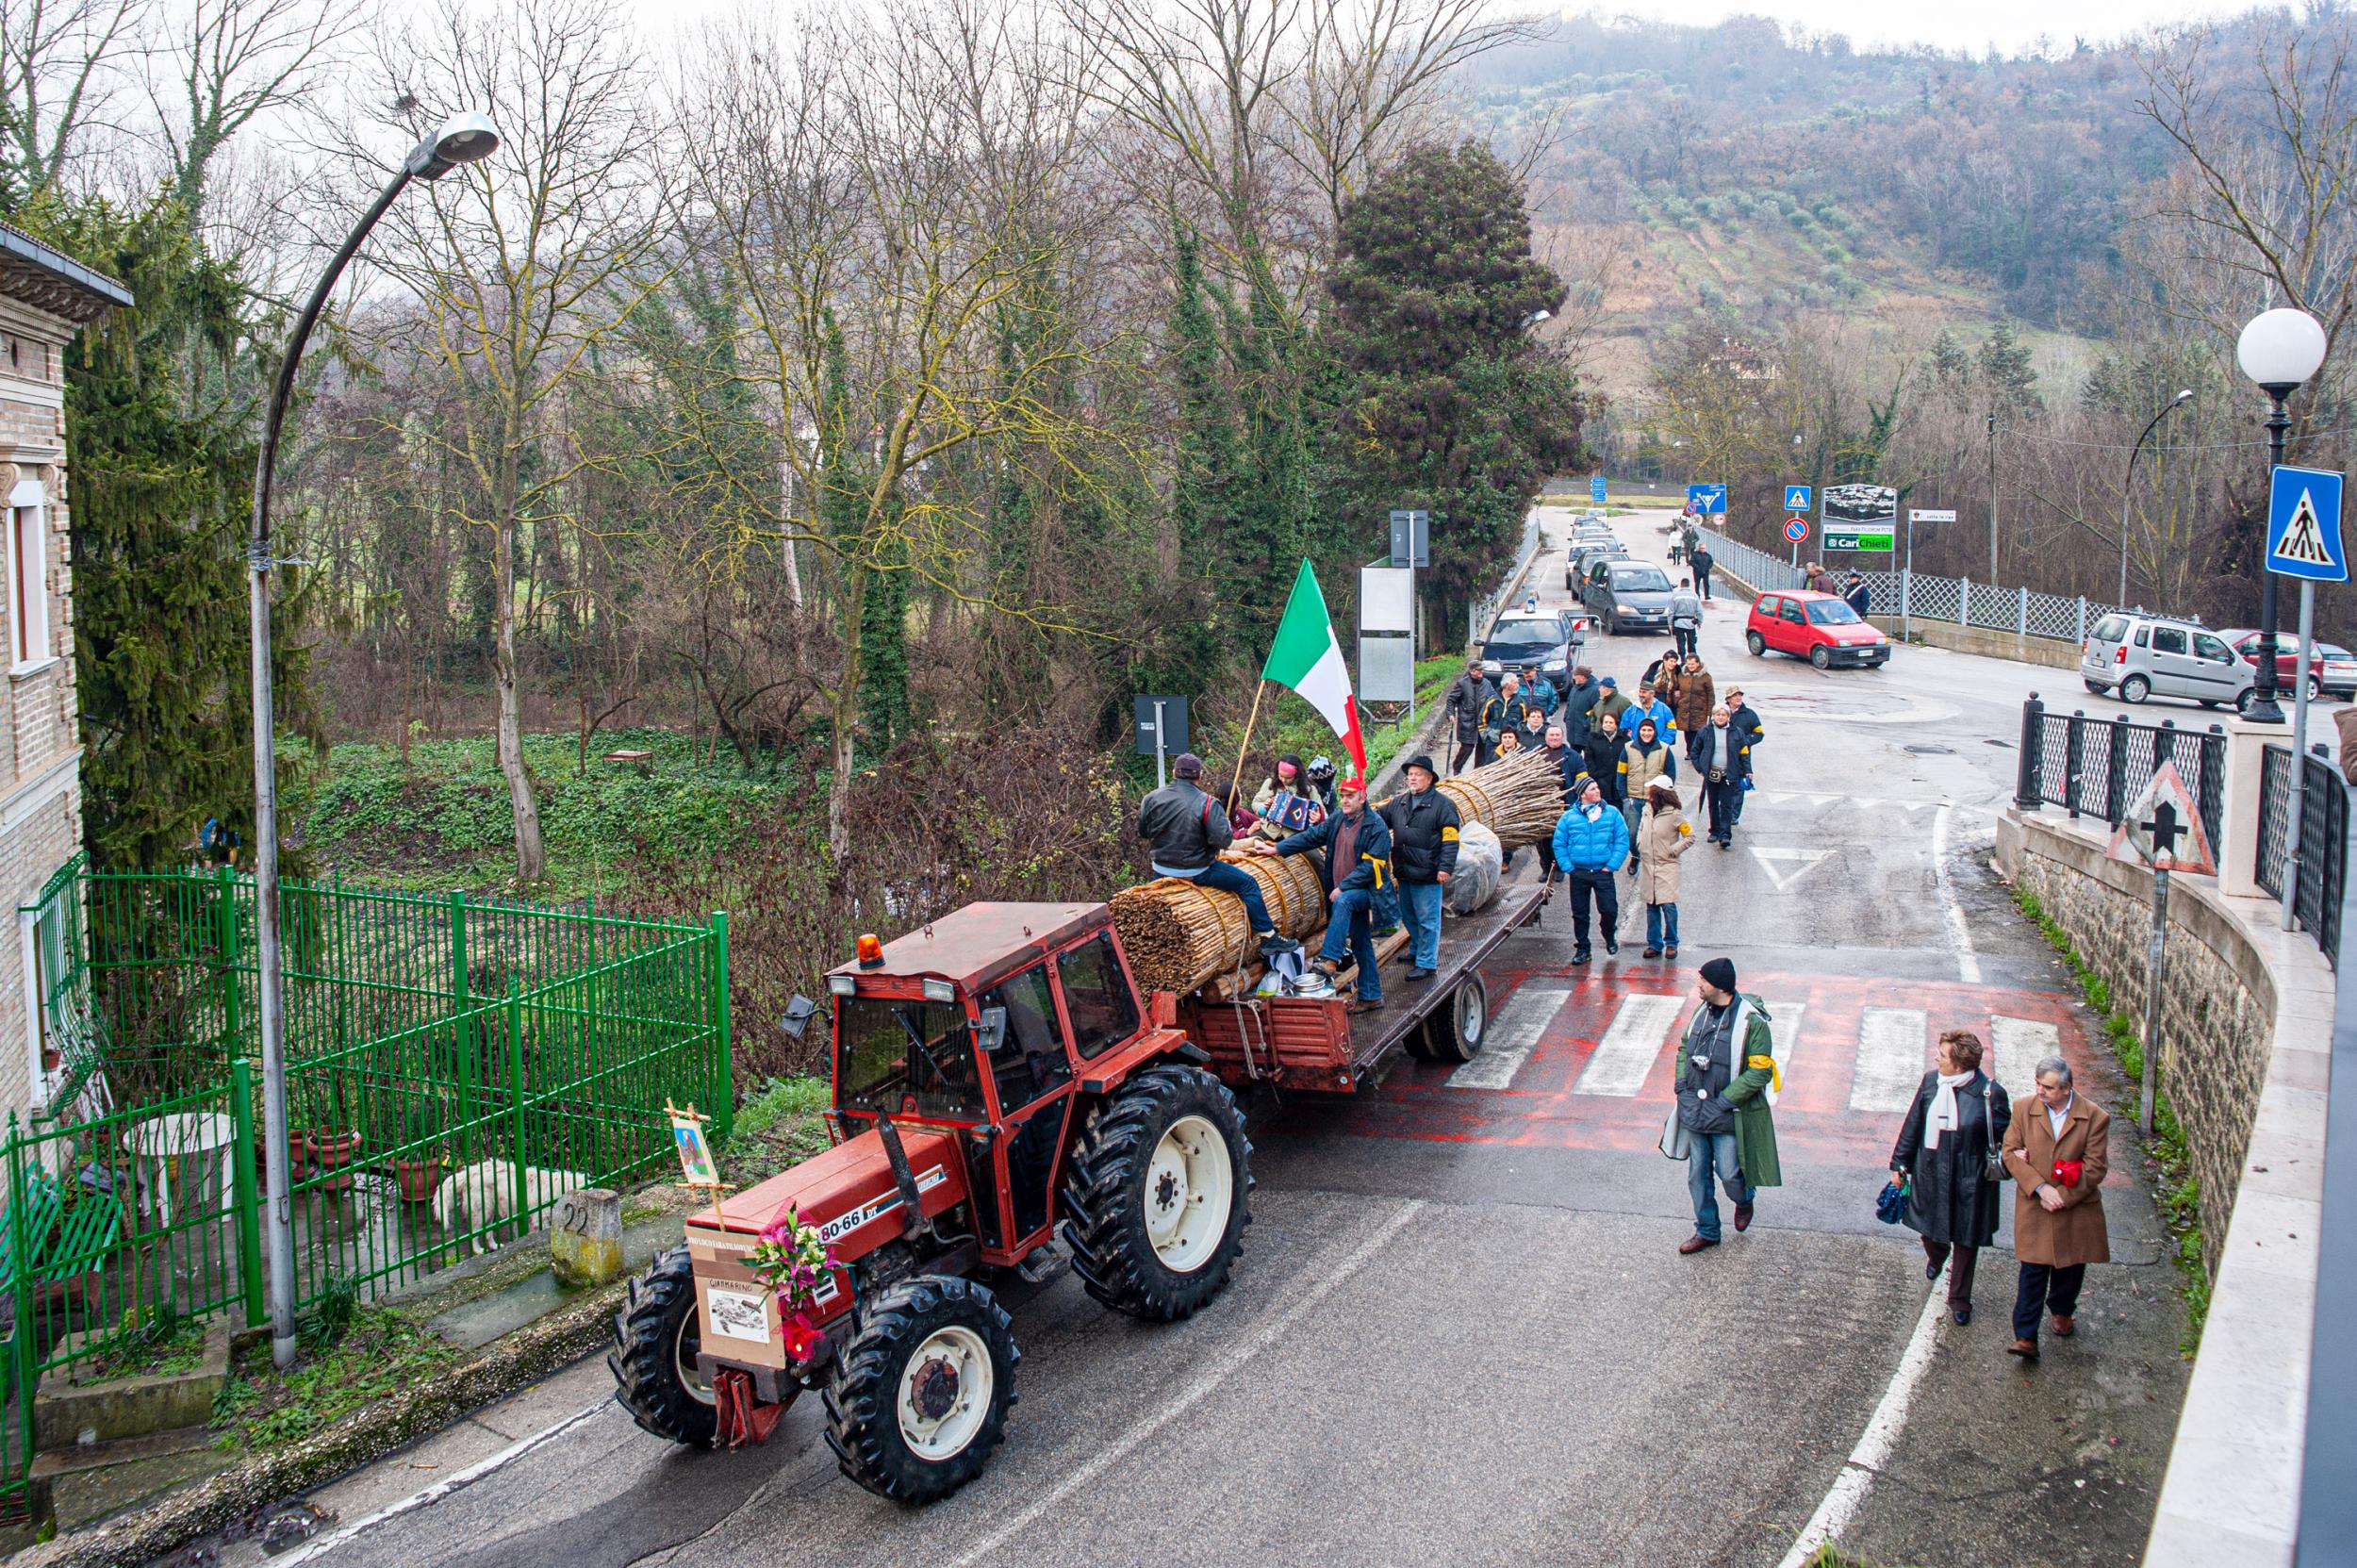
1591	845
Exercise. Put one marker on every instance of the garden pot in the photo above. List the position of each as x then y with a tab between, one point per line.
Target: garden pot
419	1177
332	1153
52	1059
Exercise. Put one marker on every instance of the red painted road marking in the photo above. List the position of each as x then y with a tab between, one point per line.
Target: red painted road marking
1814	1121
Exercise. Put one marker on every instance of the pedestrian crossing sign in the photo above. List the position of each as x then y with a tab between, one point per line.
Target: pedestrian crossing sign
2304	525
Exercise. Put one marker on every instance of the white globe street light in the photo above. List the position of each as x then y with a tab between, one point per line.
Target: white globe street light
2278	349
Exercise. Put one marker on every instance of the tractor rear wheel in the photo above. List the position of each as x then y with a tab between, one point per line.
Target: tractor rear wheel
920	1394
1156	1195
656	1336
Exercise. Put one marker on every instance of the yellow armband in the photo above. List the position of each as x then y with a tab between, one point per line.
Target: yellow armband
1775	1079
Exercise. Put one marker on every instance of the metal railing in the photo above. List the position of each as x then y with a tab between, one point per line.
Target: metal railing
2322	865
1485	610
2098	767
1919	596
453	1067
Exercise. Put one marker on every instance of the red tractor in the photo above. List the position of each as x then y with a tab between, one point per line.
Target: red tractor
997	1083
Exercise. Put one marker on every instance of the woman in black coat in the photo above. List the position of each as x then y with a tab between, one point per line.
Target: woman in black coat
1959	1113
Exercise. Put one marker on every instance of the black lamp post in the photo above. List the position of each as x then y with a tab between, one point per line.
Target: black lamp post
2128	485
2279	350
466	138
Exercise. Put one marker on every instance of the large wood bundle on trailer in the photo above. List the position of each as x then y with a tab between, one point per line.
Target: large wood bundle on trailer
1520	798
1181	936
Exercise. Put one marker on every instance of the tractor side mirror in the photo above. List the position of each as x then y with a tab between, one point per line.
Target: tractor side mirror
991	1031
799	1014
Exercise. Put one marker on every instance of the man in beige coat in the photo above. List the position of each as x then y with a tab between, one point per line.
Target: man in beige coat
2057	1149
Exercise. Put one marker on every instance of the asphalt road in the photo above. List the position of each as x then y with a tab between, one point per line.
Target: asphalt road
1462	1332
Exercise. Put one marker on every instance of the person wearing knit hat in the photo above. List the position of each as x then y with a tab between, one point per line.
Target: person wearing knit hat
1186	829
1721	1124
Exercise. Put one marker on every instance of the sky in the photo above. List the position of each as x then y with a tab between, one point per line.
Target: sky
2010	24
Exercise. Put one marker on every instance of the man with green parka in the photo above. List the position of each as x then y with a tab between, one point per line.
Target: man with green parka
1723	1122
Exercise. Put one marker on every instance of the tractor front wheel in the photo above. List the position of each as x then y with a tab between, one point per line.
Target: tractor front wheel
656	1336
920	1394
1156	1195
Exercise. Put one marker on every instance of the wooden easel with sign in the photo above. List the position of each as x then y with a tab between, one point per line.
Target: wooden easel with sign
695	1154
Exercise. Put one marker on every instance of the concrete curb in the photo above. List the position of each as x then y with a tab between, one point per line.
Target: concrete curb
500	1369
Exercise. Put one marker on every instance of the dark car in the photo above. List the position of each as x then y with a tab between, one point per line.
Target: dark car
1627	596
1587	552
1550	639
2330	671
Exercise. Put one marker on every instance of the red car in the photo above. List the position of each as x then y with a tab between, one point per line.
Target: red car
2331	670
1818	627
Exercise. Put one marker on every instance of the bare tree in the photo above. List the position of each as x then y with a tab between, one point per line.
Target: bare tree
60	60
522	265
222	63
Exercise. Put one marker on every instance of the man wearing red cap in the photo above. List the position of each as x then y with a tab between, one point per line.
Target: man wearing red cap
1357	846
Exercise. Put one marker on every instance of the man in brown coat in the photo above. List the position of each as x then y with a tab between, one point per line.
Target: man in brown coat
2057	1149
1697	694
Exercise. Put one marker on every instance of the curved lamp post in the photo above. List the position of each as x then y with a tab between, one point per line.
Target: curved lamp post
466	138
2278	349
2128	484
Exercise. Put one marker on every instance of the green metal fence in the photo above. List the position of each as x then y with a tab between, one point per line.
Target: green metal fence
453	1066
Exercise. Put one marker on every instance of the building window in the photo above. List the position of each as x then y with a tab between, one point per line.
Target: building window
28	587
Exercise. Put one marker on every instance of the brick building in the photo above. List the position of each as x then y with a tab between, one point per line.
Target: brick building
44	298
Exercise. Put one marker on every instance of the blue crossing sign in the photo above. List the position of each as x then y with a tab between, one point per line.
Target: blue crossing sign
2304	525
1796	499
1701	499
1595	488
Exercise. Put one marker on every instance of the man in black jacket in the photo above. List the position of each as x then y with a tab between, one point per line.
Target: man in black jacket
1423	827
1468	700
1188	830
1358	846
1579	714
1744	720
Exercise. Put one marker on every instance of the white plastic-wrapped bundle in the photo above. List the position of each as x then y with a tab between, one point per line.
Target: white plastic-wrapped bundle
1479	866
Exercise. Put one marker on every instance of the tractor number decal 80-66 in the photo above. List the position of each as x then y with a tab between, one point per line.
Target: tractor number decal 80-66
843	1225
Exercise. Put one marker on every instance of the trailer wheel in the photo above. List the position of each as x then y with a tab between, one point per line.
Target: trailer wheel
920	1394
1158	1194
656	1336
1457	1031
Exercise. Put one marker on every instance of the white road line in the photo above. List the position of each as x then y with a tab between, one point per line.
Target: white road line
1784	1032
1874	1444
2020	1044
1214	1376
1513	1035
1968	962
440	1489
1889	1057
1631	1045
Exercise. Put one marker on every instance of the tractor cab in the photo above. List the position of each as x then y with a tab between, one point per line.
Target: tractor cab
981	1024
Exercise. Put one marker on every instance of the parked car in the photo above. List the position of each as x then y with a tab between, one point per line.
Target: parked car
1550	639
1818	627
2331	672
1626	596
2139	656
1585	555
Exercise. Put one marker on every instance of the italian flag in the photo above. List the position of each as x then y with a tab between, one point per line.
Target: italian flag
1307	659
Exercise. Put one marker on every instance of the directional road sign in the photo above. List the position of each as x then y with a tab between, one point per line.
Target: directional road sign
2164	822
1796	499
1796	529
2304	525
1411	538
1931	514
1706	498
1595	488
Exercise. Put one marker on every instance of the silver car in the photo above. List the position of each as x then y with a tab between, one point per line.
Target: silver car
2139	656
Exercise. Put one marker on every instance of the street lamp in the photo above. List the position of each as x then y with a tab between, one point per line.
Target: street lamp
2128	484
2279	350
466	138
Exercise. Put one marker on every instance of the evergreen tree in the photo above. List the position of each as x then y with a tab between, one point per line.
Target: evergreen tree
1452	404
2008	380
160	503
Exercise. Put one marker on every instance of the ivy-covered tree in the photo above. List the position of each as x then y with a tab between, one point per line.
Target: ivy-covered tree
1450	402
160	498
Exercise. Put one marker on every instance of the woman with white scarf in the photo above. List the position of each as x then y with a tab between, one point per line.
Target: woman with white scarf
1958	1116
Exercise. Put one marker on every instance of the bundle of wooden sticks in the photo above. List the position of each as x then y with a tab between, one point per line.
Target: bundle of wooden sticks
1180	937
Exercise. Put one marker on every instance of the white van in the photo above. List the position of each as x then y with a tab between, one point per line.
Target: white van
2139	656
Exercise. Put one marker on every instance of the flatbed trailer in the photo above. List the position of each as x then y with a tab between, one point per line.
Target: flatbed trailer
1315	1042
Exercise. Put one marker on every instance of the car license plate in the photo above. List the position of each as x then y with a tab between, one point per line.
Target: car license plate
736	1314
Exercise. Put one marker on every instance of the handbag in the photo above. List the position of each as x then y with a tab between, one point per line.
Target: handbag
1992	1153
1890	1204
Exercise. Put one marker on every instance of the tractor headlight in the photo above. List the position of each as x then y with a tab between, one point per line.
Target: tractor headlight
843	985
940	990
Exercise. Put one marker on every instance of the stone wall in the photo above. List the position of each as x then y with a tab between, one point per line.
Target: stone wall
2217	1002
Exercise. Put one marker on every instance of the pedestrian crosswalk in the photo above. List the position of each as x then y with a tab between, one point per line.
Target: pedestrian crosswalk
1860	1057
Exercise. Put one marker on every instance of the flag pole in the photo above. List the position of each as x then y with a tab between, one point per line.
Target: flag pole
1244	752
